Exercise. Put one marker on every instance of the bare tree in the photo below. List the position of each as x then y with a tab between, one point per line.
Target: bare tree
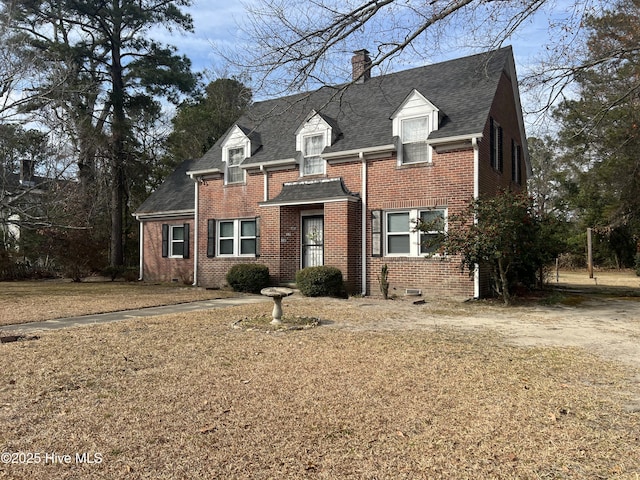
297	44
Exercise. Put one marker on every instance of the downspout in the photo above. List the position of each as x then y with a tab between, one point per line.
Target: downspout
476	194
364	224
141	275
195	235
266	183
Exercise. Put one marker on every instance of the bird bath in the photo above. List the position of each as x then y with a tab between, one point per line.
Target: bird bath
277	293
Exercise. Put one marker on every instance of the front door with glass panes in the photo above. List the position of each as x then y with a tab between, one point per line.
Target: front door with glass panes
312	241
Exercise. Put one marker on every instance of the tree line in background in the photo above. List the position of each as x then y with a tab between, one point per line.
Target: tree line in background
85	91
84	134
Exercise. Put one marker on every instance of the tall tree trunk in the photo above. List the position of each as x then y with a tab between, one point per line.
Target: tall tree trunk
119	128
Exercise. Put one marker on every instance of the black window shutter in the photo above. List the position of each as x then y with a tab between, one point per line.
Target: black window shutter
376	233
492	147
165	240
185	251
500	158
257	236
211	238
519	165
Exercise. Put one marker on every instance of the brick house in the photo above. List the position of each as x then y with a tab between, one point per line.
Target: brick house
336	176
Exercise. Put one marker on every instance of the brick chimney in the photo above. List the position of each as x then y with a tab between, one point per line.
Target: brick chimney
361	66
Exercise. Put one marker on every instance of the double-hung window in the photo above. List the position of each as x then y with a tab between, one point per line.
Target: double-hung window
237	238
313	164
234	172
433	224
403	239
175	241
414	135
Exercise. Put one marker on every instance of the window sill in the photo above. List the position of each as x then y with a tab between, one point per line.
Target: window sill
408	258
402	166
311	176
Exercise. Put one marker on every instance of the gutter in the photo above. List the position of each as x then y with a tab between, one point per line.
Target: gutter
195	236
141	247
159	215
358	152
200	173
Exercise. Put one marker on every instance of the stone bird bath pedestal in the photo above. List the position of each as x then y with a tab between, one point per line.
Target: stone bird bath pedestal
277	293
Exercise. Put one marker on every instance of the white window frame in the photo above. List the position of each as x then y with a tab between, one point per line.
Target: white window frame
314	125
403	128
173	241
306	157
237	237
415	236
229	166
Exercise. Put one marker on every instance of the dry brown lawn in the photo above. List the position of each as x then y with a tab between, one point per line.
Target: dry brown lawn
22	302
192	397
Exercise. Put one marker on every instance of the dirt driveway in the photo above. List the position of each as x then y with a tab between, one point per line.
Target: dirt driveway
608	326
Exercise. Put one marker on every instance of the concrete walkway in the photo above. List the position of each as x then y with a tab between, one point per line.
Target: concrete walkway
27	328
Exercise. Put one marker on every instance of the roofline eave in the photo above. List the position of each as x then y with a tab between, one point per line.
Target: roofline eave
164	215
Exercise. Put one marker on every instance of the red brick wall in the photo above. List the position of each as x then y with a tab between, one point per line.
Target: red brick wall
342	241
504	112
225	202
159	269
446	182
491	181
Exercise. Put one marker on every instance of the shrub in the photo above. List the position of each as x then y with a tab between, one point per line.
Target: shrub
320	282
248	277
637	266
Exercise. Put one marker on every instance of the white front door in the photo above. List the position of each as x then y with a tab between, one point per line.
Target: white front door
312	241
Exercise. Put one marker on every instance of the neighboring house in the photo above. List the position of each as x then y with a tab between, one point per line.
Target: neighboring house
337	176
20	199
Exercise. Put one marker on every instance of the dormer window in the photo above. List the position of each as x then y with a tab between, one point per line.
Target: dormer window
235	149
234	173
312	163
414	135
313	136
412	123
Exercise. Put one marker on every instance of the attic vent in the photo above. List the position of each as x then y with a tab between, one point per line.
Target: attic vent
361	66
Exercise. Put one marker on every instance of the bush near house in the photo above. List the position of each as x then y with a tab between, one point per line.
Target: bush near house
248	277
321	282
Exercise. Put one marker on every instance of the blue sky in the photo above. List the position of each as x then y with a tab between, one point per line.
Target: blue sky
216	23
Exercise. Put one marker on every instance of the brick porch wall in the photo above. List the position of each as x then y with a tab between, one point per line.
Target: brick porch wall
342	227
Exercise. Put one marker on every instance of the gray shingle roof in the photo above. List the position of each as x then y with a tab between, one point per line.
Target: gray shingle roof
175	194
312	191
463	90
